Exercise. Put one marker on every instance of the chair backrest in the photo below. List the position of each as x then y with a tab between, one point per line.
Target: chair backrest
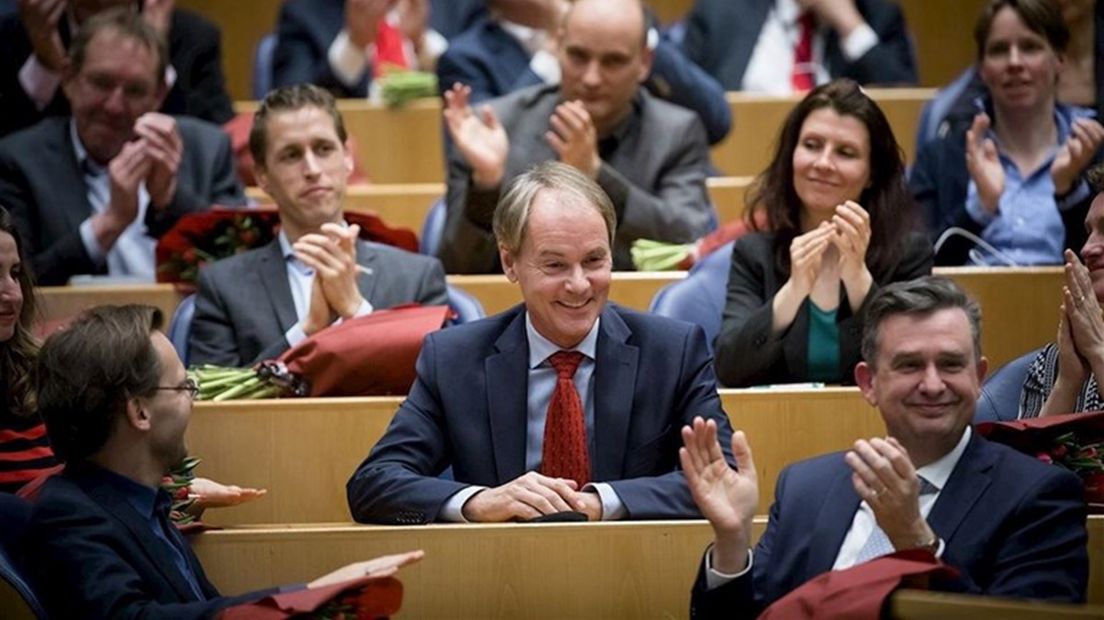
180	327
17	599
700	297
262	65
465	305
1000	394
432	229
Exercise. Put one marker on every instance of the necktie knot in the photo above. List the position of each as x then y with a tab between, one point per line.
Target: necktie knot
926	487
565	363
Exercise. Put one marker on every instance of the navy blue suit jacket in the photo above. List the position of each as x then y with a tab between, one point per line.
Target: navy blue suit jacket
93	556
306	29
721	36
493	63
467	409
1011	525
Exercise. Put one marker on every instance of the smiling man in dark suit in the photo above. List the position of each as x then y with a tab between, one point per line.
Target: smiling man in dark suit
254	306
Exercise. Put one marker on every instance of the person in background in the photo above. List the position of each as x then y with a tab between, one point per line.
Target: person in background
838	227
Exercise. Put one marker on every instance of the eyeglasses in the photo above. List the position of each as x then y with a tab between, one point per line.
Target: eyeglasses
190	386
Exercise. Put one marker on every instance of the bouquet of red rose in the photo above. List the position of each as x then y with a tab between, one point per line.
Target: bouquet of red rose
1074	441
207	236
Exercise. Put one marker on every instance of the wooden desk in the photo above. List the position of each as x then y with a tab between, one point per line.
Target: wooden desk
304	450
924	605
594	570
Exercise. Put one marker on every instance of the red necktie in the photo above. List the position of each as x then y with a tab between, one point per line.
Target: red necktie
389	49
801	79
565	442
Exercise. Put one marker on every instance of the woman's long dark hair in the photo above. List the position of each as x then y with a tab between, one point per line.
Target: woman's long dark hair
17	355
886	199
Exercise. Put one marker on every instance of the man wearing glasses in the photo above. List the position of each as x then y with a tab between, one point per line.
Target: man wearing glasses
91	192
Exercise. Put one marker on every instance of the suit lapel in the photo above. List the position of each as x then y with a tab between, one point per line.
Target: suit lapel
833	522
964	488
366	280
67	176
614	384
507	398
271	276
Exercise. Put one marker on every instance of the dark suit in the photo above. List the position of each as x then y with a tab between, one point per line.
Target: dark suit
306	29
467	410
1011	525
653	171
748	353
94	556
721	36
244	304
42	184
194	53
493	63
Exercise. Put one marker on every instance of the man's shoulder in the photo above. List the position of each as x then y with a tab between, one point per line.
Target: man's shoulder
659	112
232	268
475	40
198	131
481	333
188	25
402	259
1013	468
526	100
34	138
61	498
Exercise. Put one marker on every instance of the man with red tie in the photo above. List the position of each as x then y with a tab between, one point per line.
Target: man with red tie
563	404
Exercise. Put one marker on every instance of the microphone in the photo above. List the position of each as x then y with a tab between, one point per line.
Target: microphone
976	257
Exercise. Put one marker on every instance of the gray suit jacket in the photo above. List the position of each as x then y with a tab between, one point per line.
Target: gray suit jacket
655	176
244	305
42	184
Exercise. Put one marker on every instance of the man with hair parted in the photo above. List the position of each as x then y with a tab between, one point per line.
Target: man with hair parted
562	404
93	191
1010	524
116	402
254	306
649	156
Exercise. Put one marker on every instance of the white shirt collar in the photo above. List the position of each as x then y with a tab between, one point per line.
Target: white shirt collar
938	471
787	11
540	347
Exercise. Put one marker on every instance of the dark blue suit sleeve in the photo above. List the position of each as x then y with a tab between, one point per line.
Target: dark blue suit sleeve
677	79
301	54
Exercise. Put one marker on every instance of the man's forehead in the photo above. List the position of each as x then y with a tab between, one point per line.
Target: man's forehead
305	123
947	327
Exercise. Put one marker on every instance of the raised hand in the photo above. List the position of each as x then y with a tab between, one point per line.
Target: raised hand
841	15
727	497
526	497
362	18
883	475
332	255
383	566
414	20
852	237
983	164
1086	136
211	494
574	137
40	21
1083	310
481	139
165	148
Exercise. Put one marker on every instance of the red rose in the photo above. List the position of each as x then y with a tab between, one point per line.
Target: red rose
1044	457
189	256
1059	451
249	237
1088	452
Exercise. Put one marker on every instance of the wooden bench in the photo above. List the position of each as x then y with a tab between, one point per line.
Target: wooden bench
303	451
591	570
924	605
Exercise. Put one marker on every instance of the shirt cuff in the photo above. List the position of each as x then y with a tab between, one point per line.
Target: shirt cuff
347	62
861	40
974	208
545	66
435	45
88	238
613	509
295	335
364	309
39	83
453	509
715	578
170	77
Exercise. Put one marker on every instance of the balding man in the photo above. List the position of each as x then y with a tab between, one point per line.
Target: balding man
561	404
649	156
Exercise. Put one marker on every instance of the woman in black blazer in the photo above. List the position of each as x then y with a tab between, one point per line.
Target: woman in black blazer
839	224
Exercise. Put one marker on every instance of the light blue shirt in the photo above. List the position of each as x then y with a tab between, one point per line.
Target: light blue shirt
133	252
1027	226
300	279
542	383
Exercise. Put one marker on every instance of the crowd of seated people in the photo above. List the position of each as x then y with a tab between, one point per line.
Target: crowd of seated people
570	129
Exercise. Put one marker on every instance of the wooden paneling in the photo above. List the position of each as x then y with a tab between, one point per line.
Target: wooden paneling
61	302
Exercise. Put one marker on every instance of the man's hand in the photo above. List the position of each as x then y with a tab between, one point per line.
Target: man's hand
983	164
158	14
727	497
414	22
125	174
1086	136
482	141
1086	321
211	494
319	313
883	475
526	497
40	21
362	18
574	138
841	15
332	255
383	566
165	148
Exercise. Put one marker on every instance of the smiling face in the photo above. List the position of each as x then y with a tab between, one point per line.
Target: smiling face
831	161
11	294
305	169
563	266
1092	253
925	379
1018	65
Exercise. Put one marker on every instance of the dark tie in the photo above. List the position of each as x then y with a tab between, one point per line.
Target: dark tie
801	79
565	443
878	544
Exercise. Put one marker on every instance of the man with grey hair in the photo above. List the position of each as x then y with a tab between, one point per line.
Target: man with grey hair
563	404
1011	525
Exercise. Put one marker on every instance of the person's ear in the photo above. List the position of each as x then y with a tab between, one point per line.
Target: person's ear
864	378
137	414
506	257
